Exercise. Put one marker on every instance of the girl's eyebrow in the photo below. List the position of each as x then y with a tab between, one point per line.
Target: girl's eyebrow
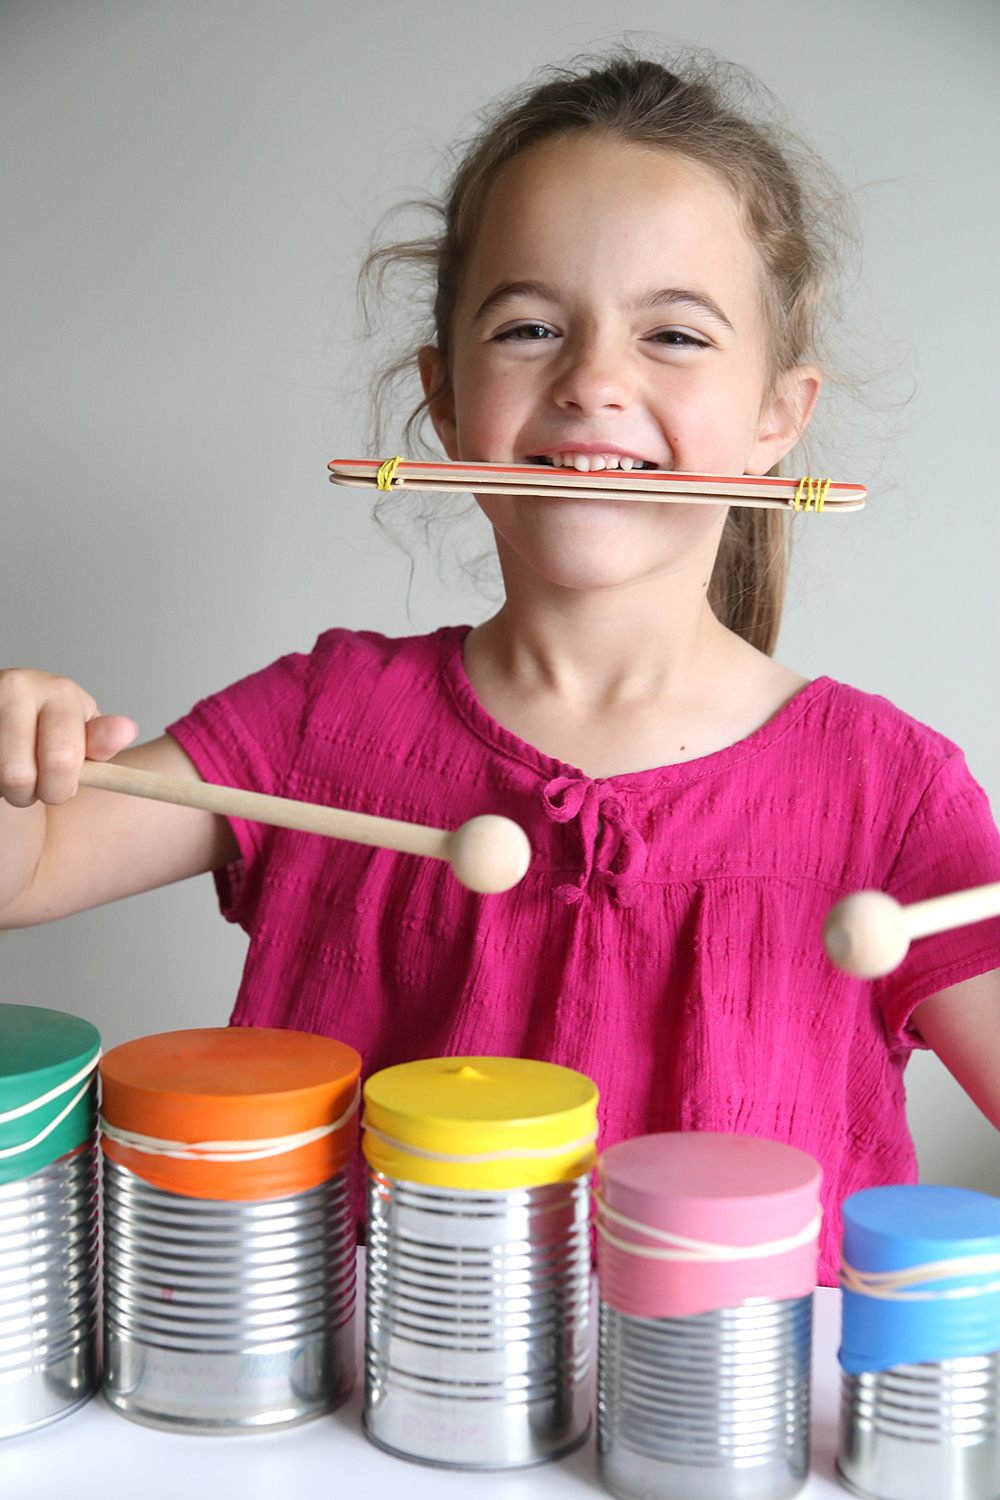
507	290
672	296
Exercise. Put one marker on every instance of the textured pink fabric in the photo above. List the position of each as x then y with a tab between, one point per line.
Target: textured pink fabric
666	940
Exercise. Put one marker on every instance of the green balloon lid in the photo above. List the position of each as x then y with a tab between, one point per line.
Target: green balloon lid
48	1087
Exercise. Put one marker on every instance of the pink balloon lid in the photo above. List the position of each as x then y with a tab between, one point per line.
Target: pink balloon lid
675	1211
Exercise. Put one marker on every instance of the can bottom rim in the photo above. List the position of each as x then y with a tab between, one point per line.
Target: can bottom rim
442	1463
56	1416
224	1428
849	1486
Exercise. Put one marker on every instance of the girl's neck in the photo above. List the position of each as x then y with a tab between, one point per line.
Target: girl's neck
599	649
620	679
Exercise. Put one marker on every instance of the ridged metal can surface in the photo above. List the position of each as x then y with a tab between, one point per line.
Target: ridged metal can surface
923	1432
713	1406
48	1292
478	1322
227	1316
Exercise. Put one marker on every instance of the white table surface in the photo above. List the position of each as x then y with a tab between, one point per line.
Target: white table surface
94	1454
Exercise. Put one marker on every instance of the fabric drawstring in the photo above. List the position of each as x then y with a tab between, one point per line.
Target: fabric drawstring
613	849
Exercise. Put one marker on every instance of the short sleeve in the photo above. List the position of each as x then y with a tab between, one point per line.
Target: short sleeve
951	843
248	736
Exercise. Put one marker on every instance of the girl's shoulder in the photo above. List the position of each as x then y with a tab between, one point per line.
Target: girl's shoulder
354	688
368	651
862	749
838	713
895	783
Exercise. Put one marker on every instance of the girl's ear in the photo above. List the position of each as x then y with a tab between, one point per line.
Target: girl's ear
786	417
440	397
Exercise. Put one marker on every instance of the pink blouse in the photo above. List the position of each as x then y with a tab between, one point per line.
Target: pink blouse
666	939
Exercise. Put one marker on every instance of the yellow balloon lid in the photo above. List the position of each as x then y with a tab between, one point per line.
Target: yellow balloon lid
483	1123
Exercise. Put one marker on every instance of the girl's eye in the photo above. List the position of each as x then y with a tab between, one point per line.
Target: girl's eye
677	338
525	333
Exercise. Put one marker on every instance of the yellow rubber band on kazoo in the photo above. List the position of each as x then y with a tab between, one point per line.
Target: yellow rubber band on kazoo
813	492
387	472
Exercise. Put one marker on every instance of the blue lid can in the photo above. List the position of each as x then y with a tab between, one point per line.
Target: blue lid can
920	1398
951	1312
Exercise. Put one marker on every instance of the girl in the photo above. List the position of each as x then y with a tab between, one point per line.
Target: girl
626	277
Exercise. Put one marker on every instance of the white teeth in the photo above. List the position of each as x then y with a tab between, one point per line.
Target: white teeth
586	463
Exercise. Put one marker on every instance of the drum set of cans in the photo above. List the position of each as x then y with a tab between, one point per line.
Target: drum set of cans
229	1254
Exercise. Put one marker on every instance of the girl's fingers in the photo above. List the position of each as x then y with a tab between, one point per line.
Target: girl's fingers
47	725
61	745
106	734
18	724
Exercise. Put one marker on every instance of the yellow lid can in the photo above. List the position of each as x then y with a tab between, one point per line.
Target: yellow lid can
485	1123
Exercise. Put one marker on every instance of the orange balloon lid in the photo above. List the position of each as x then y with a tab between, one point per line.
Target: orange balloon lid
232	1113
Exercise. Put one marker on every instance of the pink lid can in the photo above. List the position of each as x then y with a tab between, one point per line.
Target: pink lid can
674	1211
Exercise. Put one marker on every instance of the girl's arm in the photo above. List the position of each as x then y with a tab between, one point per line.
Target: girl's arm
962	1025
63	850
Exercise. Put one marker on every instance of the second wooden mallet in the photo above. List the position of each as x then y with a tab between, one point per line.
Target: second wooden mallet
869	933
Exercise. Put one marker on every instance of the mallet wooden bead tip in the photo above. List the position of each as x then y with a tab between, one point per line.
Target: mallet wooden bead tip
489	854
866	934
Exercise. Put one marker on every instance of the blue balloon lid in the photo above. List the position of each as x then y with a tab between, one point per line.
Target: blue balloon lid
909	1225
889	1228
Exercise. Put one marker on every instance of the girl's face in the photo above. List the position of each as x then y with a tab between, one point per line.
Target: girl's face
609	317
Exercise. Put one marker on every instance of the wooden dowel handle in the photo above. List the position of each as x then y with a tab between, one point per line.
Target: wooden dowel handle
282	812
958	909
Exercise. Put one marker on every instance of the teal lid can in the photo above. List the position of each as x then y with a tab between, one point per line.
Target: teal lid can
48	1087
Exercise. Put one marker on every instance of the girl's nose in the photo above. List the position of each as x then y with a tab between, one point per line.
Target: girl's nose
594	376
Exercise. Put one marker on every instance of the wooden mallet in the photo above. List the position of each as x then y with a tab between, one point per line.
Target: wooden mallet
869	934
487	854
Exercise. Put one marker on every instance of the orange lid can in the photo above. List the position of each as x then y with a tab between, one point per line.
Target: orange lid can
232	1113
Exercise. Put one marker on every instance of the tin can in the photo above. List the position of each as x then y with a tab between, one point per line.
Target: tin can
706	1263
48	1216
923	1432
478	1327
230	1238
710	1407
222	1316
48	1292
920	1398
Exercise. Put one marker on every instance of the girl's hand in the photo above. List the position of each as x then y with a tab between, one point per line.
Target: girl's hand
81	850
48	727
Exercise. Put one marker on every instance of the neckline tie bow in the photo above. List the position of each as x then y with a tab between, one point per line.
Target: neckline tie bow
613	850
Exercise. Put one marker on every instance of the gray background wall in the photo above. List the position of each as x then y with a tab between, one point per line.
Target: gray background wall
186	190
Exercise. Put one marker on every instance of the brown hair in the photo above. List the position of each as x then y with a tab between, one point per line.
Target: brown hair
698	109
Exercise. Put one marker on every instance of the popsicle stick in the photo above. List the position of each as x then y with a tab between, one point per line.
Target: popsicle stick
868	934
486	854
767	491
